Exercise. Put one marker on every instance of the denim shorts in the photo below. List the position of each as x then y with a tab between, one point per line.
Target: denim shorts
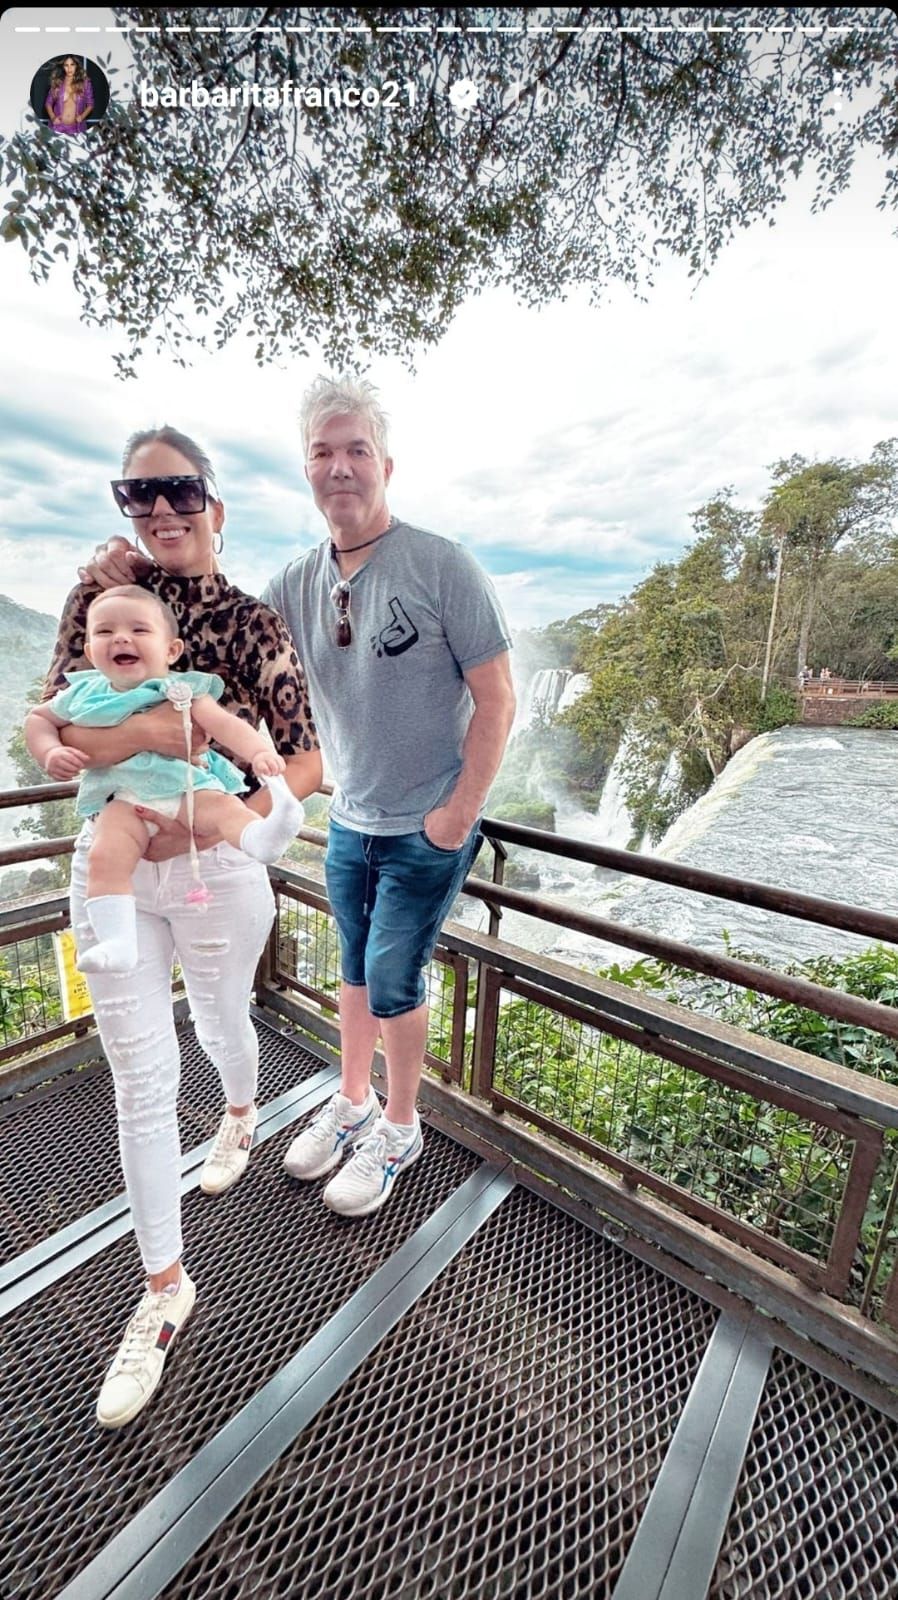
389	894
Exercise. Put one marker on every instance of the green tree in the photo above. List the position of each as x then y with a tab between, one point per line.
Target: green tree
677	666
856	626
815	506
600	142
559	643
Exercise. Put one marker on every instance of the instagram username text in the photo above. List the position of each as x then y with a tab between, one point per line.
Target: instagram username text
272	97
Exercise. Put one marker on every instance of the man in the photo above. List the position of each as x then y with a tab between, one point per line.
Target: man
406	655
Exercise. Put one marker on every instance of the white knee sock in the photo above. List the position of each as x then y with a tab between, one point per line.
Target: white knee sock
113	918
266	838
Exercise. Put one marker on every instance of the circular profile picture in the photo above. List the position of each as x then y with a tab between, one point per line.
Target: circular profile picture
69	93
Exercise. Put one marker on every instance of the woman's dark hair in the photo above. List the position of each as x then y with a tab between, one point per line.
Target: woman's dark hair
177	441
57	74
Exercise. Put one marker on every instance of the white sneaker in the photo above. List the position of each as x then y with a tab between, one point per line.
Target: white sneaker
367	1180
135	1373
337	1126
228	1158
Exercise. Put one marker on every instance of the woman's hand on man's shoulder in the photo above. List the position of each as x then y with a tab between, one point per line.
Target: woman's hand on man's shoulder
115	562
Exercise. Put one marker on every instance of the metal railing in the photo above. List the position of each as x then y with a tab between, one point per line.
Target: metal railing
853	686
765	1145
770	1168
31	1002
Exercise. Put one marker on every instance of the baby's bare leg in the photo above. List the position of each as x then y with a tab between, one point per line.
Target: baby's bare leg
119	841
214	812
263	838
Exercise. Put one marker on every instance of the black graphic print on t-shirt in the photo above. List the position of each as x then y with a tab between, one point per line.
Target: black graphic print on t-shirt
399	634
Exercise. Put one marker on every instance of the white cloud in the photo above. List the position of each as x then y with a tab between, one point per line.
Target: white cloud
569	445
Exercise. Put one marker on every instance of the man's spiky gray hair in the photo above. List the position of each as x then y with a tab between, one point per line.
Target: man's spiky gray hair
337	397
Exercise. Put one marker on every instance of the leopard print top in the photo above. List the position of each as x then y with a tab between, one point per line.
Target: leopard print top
223	631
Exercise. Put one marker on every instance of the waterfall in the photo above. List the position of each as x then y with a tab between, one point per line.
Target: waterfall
613	823
550	690
742	768
577	684
545	692
791	808
671	774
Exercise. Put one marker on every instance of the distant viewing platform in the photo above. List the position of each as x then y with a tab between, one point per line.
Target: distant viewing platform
828	700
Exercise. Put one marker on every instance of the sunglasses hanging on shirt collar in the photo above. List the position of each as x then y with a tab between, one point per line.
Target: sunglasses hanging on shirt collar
341	596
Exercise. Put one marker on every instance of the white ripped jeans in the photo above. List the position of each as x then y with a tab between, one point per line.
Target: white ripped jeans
217	950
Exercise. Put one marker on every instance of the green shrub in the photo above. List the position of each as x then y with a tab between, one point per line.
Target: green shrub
529	813
758	1161
884	714
778	710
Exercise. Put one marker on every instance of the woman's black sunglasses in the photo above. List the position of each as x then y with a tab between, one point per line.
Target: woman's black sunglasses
136	497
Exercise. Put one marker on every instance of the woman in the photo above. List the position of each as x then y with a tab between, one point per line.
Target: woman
71	97
168	491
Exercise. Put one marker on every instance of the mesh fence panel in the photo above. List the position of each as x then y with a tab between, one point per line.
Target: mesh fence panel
31	991
763	1164
307	953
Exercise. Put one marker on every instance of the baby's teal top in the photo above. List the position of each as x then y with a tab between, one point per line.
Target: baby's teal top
90	701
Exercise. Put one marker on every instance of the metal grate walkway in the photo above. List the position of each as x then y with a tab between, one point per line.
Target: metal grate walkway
472	1395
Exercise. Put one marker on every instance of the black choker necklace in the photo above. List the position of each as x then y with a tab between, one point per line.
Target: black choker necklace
393	523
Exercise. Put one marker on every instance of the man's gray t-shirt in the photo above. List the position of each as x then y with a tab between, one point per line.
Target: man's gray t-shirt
392	708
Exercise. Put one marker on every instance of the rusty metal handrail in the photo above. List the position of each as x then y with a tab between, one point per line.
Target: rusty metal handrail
816	1078
850	686
39	794
832	1273
828	1002
832	1003
766	897
749	892
11	856
856	1106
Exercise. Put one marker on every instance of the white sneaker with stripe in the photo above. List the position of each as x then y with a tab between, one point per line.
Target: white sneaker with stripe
136	1371
366	1182
337	1127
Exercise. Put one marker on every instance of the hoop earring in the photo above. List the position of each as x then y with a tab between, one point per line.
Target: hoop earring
217	549
140	547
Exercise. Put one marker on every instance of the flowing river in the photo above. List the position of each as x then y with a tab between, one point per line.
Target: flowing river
803	808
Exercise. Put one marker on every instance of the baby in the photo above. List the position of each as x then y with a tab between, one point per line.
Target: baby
131	642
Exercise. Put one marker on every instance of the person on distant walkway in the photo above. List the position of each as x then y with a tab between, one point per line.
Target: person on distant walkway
169	492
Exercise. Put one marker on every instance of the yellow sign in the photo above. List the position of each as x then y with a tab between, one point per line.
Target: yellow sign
75	994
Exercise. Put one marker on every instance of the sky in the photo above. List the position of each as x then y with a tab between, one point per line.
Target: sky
566	447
